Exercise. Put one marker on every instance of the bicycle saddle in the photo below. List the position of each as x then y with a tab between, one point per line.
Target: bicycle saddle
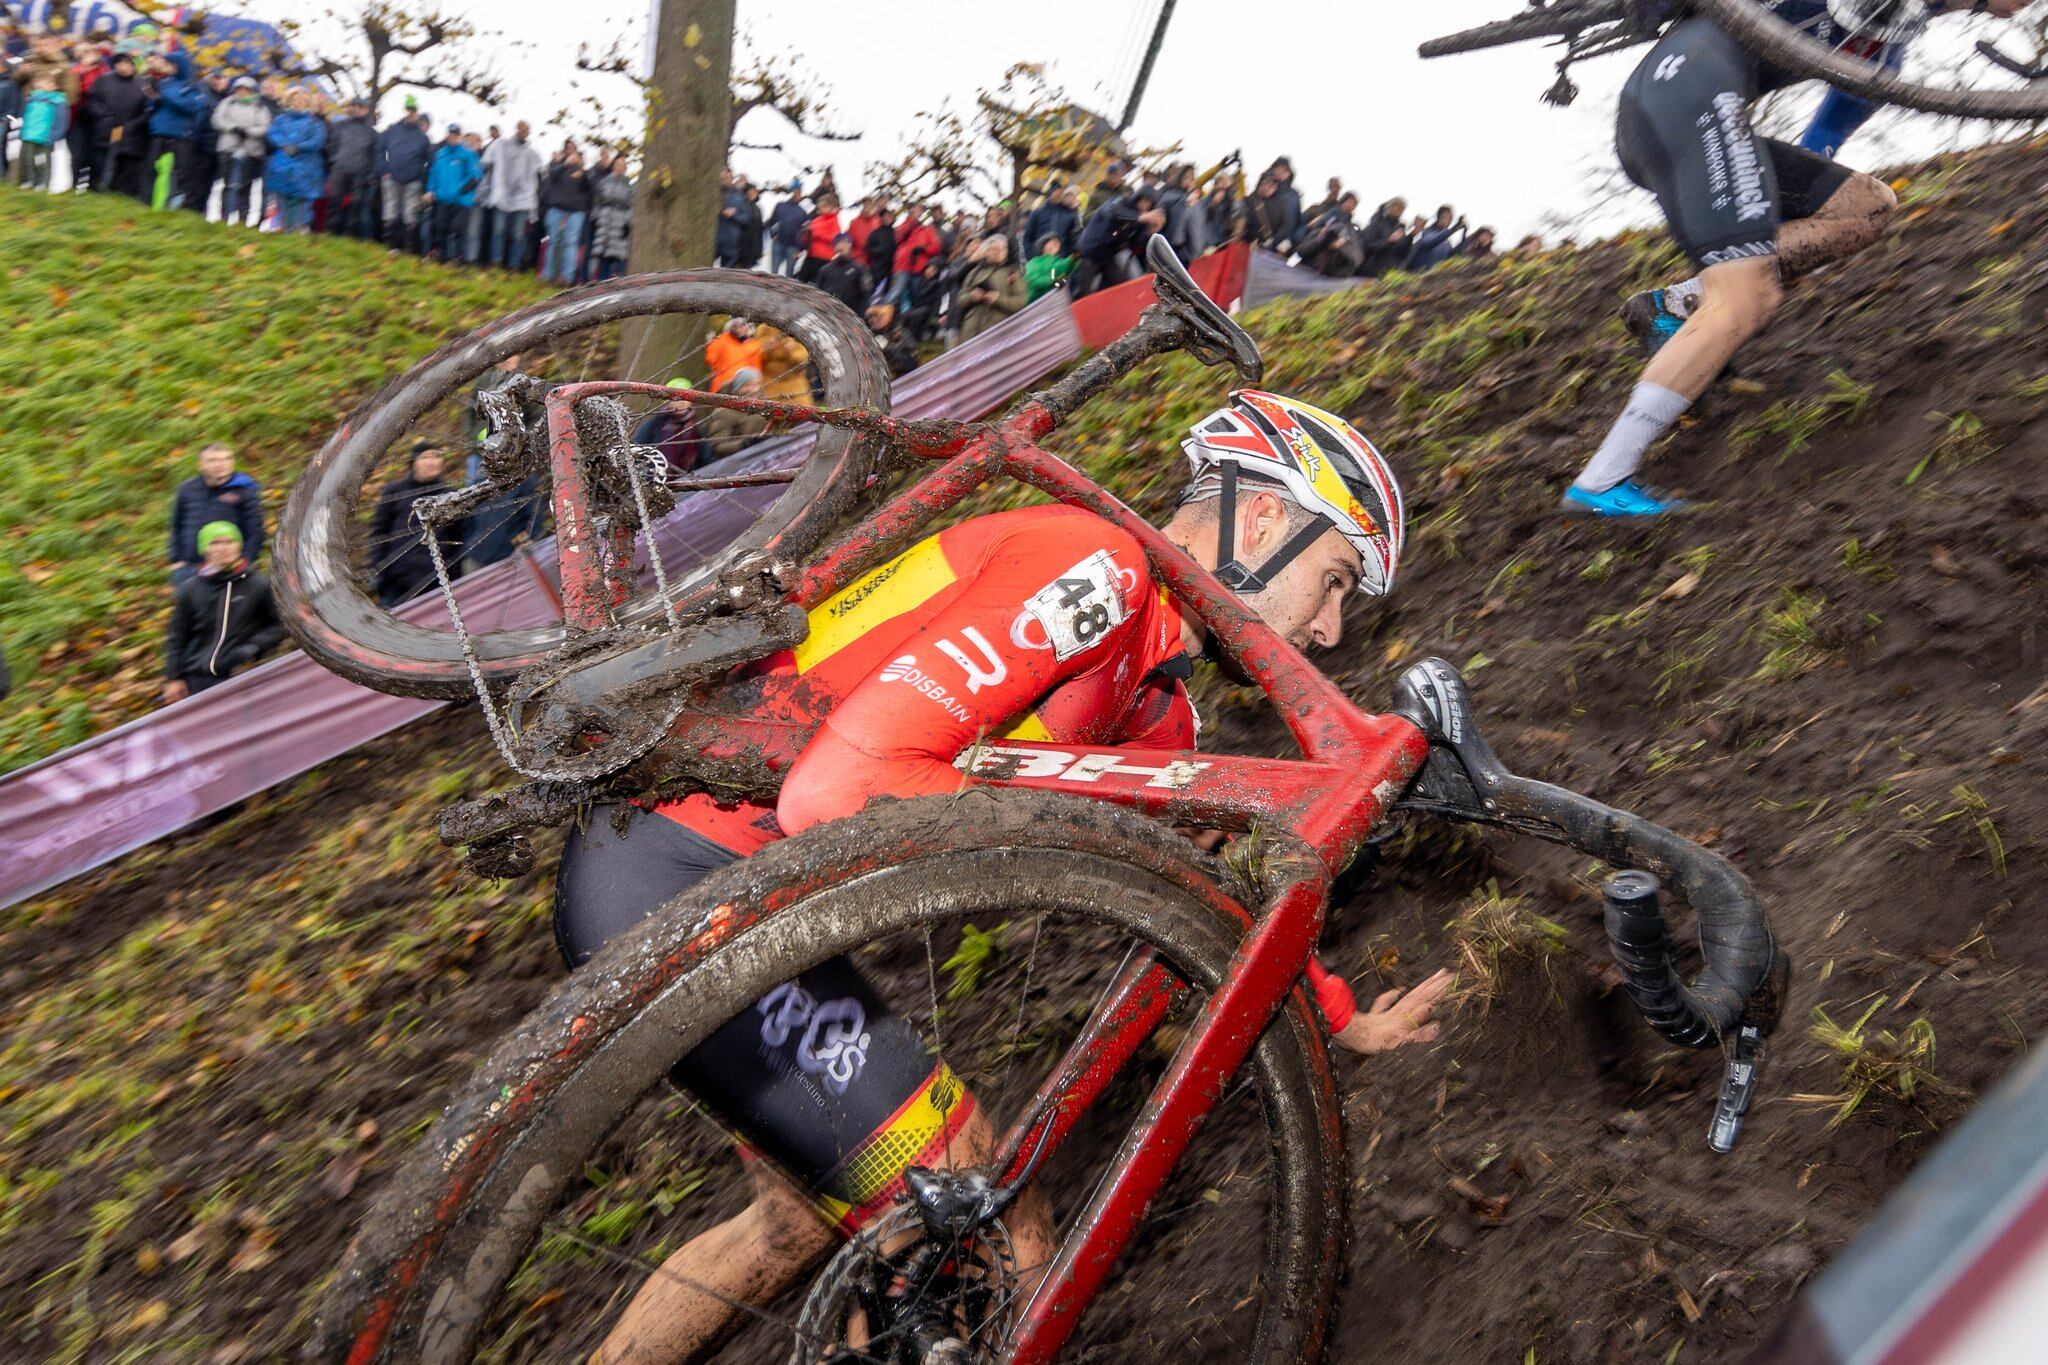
1213	338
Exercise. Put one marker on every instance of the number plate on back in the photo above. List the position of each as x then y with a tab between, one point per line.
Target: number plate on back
1081	607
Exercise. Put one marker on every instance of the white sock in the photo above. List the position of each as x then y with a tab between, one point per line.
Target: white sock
1683	298
1651	411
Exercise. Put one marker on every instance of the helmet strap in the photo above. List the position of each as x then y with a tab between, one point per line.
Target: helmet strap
1229	572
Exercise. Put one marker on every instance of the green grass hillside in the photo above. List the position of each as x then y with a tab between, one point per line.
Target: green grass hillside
133	339
215	1053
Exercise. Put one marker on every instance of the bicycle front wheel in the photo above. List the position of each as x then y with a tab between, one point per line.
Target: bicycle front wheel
1792	49
339	587
545	1143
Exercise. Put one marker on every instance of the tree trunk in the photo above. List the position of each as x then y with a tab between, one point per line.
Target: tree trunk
675	214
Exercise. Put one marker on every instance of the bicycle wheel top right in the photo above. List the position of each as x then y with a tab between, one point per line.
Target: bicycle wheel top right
1943	74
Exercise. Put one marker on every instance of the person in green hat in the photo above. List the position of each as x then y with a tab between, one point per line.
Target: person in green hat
222	617
676	429
1047	270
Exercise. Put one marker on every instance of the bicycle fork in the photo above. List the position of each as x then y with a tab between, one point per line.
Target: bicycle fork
1265	968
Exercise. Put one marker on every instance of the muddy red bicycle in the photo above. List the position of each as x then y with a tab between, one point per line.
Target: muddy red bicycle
1160	1065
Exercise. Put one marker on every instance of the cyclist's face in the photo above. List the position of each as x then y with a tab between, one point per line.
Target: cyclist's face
1305	601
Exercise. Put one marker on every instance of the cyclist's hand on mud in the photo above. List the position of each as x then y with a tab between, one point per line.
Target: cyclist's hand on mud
1396	1018
175	690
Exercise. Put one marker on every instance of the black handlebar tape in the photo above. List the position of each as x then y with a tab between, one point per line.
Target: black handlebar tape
1735	939
1642	949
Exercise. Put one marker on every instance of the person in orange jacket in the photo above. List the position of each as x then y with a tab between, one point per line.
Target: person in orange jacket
731	351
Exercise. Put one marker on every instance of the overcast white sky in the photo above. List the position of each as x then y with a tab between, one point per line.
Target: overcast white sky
1337	86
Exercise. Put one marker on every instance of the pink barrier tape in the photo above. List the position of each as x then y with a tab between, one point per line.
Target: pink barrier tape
92	803
1267	277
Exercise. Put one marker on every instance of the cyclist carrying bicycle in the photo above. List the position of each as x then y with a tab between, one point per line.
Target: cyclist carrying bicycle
1043	623
1751	212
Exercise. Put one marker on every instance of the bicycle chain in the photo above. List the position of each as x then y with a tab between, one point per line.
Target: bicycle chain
602	762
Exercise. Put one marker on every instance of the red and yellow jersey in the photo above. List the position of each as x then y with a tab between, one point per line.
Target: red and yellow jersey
1039	624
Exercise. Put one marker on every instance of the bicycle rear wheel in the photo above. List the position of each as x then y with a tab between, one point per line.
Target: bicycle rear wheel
1549	21
325	576
428	1276
1784	46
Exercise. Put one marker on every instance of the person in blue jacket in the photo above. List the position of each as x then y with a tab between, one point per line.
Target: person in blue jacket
182	103
297	170
786	231
218	492
403	151
452	177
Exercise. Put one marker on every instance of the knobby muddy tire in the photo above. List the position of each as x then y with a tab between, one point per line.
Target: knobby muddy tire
1781	45
436	1250
1553	22
326	609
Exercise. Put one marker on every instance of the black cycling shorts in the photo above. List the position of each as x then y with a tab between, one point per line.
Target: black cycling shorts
1683	133
820	1075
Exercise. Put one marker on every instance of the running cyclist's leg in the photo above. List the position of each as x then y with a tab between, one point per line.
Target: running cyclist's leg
1682	132
1737	299
702	1291
1826	211
1830	212
1748	210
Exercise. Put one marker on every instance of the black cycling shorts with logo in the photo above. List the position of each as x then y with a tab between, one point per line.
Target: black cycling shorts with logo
820	1074
1683	133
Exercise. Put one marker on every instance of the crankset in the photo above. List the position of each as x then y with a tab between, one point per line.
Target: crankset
933	1280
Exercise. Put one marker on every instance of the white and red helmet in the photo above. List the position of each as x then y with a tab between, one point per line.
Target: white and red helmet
1322	462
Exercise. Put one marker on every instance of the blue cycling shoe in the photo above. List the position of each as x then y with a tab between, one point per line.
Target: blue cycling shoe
1625	499
1650	320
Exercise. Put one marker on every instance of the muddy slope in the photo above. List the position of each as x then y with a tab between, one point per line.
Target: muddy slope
1832	673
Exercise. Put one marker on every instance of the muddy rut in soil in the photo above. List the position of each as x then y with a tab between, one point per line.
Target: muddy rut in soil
1832	673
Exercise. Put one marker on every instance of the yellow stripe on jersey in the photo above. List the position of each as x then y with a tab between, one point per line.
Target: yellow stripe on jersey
1029	728
886	591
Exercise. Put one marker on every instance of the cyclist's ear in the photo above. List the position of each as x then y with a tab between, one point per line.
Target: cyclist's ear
1261	526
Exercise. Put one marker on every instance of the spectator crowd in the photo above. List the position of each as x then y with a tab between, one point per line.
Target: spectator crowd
136	118
925	274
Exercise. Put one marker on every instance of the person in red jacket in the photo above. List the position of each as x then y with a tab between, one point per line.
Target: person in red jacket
917	242
1040	623
871	216
819	233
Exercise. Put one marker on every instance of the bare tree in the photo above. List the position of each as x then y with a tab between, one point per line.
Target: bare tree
418	46
781	85
945	156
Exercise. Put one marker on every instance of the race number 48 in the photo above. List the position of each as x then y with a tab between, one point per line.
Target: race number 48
1081	607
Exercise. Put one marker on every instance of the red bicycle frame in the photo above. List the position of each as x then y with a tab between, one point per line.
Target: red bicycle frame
1353	767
